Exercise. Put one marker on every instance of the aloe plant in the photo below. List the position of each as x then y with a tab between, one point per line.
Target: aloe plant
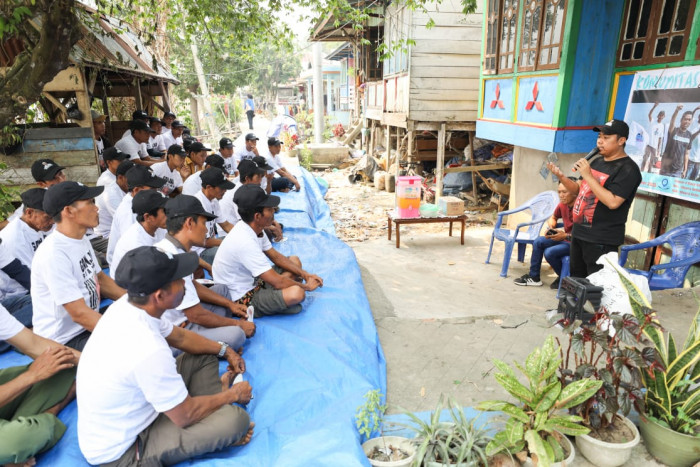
673	394
536	424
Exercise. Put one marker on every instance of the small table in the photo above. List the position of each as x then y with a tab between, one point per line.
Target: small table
424	220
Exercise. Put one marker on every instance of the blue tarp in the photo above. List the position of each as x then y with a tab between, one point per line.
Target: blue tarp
309	372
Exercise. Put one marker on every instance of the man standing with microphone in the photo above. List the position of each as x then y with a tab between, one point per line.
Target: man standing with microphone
608	183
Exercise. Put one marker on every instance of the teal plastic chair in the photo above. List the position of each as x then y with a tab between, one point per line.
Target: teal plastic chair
685	252
541	208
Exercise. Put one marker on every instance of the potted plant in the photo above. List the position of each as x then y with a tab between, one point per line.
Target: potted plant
670	425
534	431
613	350
458	443
381	451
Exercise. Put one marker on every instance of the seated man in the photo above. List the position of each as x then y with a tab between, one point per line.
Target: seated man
31	396
174	135
111	197
155	415
46	173
169	170
66	278
214	185
206	311
285	181
555	244
149	207
226	153
197	154
134	142
156	147
112	158
193	184
245	255
248	151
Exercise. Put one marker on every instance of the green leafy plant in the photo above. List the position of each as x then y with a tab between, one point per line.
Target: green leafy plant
305	156
7	196
672	392
458	442
369	415
536	424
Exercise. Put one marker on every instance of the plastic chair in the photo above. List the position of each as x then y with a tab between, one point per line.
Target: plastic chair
541	208
685	251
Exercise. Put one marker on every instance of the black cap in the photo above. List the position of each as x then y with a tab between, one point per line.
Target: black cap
139	125
169	114
33	198
225	143
64	194
146	269
186	205
251	137
262	163
177	150
140	175
147	200
44	170
614	127
272	141
247	168
197	147
177	124
114	154
139	115
152	120
187	143
214	160
211	176
249	197
124	167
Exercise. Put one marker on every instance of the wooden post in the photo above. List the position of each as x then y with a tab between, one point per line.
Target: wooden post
398	146
473	162
139	100
105	111
388	146
166	97
440	165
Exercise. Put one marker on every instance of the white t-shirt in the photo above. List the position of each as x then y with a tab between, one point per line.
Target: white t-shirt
106	178
229	163
241	259
242	153
212	207
123	218
131	147
193	184
658	132
168	139
100	145
134	237
156	142
63	270
19	241
177	315
173	179
108	202
9	326
126	376
229	209
695	146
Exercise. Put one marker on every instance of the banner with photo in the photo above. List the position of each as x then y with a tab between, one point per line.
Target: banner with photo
663	113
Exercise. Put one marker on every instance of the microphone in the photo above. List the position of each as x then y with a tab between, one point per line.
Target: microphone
592	154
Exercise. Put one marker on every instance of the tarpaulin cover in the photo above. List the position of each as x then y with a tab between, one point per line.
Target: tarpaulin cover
309	372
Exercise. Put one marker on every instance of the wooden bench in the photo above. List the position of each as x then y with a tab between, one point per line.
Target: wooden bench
424	220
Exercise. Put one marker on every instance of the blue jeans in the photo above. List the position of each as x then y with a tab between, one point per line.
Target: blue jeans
693	171
553	250
19	306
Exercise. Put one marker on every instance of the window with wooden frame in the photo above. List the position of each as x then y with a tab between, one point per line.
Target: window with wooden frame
502	23
654	31
542	34
370	55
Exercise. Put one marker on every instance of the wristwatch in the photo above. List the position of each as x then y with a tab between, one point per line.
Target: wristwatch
222	351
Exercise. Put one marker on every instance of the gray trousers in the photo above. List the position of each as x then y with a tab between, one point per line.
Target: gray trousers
232	335
164	443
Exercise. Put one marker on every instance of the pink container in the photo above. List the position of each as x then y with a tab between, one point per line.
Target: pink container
408	190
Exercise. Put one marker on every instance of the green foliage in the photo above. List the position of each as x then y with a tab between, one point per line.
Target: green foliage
369	415
305	156
536	423
7	195
673	394
14	12
457	442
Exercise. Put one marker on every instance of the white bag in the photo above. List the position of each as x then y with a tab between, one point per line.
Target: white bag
615	297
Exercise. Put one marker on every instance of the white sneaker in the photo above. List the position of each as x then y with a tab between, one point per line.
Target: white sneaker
525	280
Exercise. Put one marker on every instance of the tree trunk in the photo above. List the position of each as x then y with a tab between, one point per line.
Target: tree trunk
36	66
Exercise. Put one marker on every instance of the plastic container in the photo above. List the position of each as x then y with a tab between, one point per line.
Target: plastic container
408	190
428	210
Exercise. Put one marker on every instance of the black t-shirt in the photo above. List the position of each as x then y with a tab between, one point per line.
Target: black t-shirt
674	155
593	221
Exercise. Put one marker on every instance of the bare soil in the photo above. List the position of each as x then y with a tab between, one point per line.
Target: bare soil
618	432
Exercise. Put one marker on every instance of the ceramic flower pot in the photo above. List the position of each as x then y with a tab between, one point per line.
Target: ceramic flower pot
566	462
670	447
604	454
397	441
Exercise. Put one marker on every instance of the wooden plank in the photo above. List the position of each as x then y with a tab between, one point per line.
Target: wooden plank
86	174
452	95
446	71
126	90
451	126
439	33
421	59
440	163
373	114
466	83
70	79
472	168
64	158
442	115
448	47
458	104
394	119
57	133
447	18
57	145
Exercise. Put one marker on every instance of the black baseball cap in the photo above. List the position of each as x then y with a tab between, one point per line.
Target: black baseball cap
177	124
64	194
187	143
614	127
249	197
139	125
140	115
212	176
247	168
146	269
186	205
215	160
197	147
177	150
33	198
147	200
124	167
225	143
169	114
262	163
272	141
44	170
140	175
251	137
114	154
152	120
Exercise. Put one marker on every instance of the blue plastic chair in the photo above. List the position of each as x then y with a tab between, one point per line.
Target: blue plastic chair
685	251
541	208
